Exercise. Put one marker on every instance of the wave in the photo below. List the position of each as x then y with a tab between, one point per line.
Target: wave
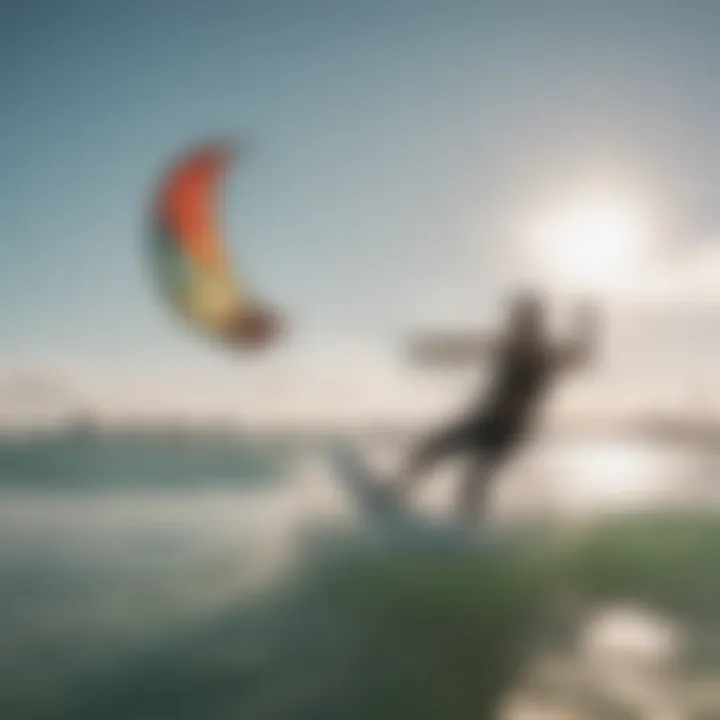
425	626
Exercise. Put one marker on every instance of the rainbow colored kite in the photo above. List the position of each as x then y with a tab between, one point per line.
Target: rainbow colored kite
191	261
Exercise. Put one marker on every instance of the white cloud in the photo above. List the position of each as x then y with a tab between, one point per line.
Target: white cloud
334	383
691	276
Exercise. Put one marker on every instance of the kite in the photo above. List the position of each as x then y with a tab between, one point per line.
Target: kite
191	261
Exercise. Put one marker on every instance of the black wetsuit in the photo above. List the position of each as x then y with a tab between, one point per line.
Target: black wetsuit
496	424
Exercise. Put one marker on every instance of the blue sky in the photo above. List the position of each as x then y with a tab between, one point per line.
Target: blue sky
393	144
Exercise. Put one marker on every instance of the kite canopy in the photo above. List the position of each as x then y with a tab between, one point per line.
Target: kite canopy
191	260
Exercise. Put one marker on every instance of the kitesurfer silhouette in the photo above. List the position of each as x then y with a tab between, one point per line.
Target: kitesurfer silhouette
526	362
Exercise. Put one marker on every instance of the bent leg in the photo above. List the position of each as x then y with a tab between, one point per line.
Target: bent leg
431	450
482	468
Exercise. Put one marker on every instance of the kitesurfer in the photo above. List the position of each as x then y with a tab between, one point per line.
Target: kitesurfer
526	362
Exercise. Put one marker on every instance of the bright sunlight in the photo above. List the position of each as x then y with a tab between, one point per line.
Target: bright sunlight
590	245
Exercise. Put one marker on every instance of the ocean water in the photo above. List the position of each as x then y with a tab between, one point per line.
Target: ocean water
212	579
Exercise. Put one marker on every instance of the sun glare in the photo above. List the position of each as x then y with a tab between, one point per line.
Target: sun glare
592	245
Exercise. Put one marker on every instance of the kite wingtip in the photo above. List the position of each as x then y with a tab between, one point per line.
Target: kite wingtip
256	329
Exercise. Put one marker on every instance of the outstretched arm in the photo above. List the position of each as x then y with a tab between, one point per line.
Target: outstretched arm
451	348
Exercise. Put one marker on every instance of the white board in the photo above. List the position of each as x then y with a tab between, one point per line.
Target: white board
374	497
377	502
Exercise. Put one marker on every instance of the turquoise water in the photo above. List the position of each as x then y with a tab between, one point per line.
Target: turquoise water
228	597
140	462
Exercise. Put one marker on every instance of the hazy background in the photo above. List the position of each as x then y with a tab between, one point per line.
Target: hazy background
403	145
166	552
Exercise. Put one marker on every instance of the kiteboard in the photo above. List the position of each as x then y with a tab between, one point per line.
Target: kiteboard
379	503
371	493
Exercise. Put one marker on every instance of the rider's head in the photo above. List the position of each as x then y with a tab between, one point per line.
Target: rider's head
527	315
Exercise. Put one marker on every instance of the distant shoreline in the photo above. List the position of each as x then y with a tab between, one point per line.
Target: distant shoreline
665	429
